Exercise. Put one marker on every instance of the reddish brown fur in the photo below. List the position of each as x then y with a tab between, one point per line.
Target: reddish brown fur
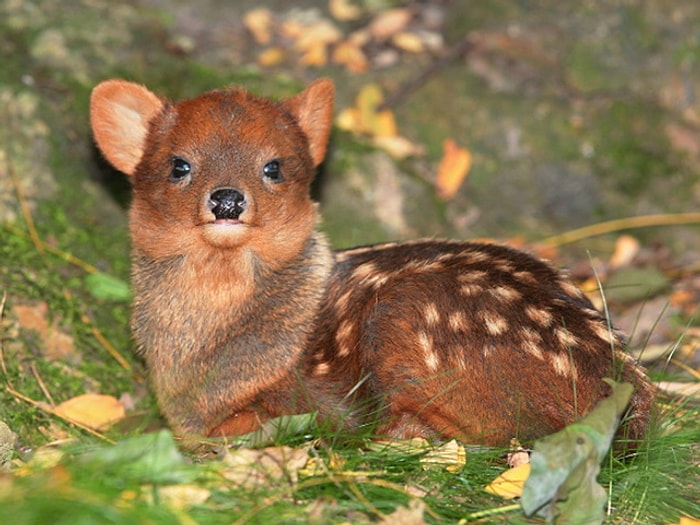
247	318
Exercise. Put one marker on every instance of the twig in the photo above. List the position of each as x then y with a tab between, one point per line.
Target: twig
2	354
49	410
105	343
23	204
490	512
642	221
41	245
42	385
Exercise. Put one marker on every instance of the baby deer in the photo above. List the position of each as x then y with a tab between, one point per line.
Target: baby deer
243	312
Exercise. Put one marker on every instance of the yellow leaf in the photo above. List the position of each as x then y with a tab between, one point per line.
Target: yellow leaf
510	484
272	56
349	120
451	455
259	23
398	147
351	56
409	42
453	168
315	55
389	22
626	248
343	10
93	410
684	520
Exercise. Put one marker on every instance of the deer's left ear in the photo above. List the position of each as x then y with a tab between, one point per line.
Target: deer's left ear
313	110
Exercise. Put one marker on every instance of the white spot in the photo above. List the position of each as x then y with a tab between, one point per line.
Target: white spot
457	321
495	324
525	277
431	358
471	289
343	337
538	315
321	369
505	293
562	364
566	338
570	289
364	270
432	316
477	276
531	343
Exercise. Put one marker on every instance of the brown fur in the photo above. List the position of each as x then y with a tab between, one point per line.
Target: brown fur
247	318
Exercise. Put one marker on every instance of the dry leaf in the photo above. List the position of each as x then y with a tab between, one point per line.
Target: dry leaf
685	520
510	483
679	389
93	410
259	23
272	56
343	10
349	120
253	468
411	515
315	55
451	455
181	497
626	249
452	170
350	55
398	147
389	22
33	317
318	33
409	42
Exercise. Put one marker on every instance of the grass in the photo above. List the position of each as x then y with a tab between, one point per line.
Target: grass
136	481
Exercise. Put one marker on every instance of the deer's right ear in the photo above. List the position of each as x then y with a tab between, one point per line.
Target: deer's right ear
120	112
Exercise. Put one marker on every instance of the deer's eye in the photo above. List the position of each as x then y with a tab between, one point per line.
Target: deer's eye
273	171
181	170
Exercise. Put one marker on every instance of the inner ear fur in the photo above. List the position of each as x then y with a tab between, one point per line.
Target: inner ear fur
313	110
120	113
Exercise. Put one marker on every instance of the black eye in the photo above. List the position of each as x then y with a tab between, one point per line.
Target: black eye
181	170
273	171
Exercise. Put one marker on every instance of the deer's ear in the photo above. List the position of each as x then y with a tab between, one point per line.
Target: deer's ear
313	110
120	113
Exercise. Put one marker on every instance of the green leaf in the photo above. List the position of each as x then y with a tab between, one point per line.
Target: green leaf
277	429
107	287
562	485
152	458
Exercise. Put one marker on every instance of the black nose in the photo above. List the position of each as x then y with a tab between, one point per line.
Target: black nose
227	203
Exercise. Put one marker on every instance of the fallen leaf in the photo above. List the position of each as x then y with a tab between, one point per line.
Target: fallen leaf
398	147
181	497
350	55
93	410
681	389
343	10
252	468
684	520
451	455
562	486
388	23
510	483
409	42
626	249
452	170
33	317
108	287
259	22
315	55
411	515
